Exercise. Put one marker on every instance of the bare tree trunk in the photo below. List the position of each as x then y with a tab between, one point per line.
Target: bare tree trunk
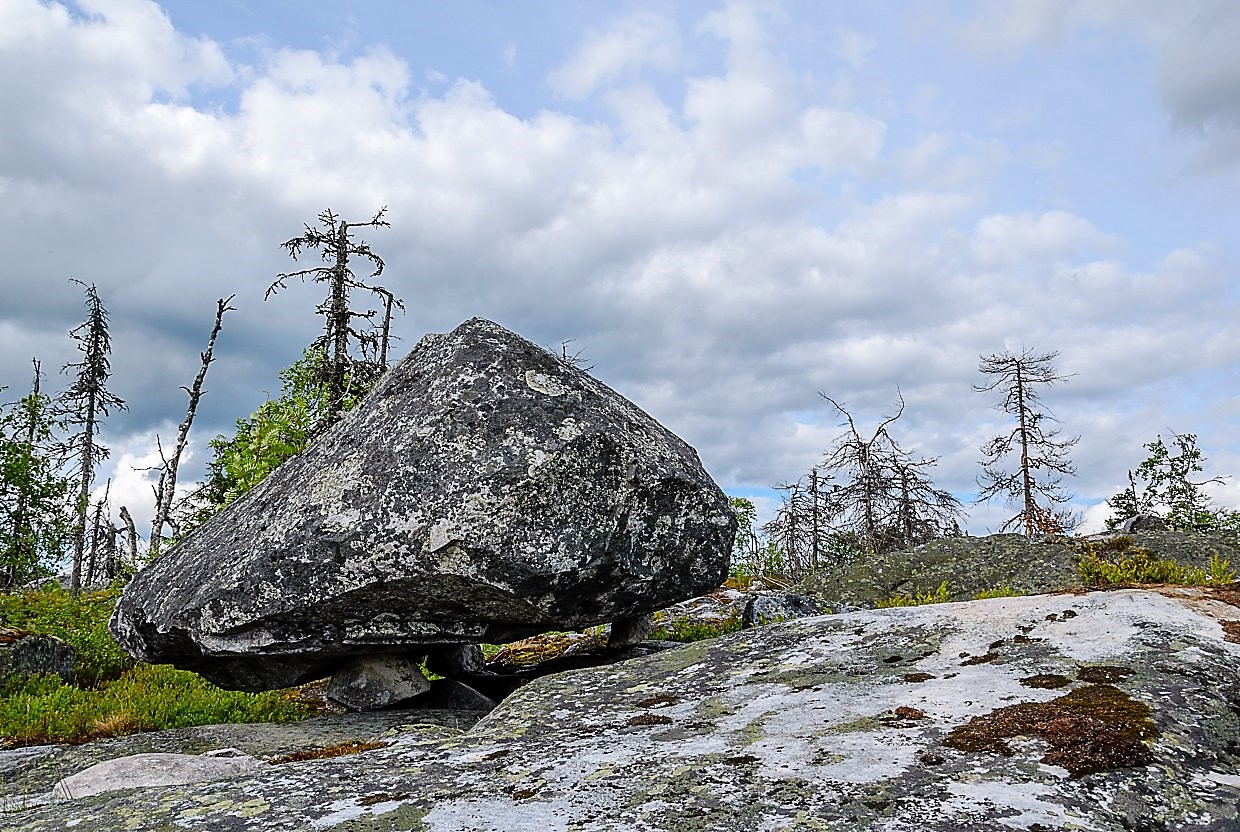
87	463
792	525
96	525
109	560
1026	478
813	508
338	325
388	300
166	489
127	518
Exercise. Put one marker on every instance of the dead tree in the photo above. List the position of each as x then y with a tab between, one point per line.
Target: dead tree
86	402
132	534
885	496
165	489
802	524
1035	484
342	375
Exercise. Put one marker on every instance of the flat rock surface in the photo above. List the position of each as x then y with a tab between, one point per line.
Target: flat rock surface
1101	711
33	770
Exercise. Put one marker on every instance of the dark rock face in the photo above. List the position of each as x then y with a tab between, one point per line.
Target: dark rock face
372	683
484	491
25	654
1143	523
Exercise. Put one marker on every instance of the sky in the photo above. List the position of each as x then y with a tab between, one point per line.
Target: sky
727	208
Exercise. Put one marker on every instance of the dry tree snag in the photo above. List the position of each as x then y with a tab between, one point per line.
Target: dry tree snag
165	489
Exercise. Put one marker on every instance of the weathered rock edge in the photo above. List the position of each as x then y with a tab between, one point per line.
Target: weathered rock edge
484	491
830	723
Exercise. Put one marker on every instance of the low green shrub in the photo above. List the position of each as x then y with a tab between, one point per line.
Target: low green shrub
686	629
42	709
1119	561
938	596
81	622
1002	591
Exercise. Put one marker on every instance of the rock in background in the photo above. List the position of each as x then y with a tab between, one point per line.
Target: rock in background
972	565
24	654
484	491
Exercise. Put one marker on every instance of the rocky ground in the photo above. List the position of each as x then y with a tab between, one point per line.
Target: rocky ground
1093	710
1090	710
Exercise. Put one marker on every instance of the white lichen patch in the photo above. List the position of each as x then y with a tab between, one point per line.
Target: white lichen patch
1027	800
835	723
544	383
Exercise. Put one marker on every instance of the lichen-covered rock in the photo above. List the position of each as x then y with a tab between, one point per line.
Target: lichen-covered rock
36	769
1191	548
1100	711
776	607
24	654
969	565
159	769
484	491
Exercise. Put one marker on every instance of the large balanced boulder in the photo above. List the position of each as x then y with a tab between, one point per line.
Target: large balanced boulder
484	491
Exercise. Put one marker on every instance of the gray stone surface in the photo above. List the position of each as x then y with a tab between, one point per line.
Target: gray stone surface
1143	523
35	770
776	607
23	653
153	770
372	683
484	491
972	565
897	719
969	565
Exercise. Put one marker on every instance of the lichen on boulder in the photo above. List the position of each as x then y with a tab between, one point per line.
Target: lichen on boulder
969	565
485	490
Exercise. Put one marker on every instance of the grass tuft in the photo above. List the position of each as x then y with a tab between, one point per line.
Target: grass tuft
111	695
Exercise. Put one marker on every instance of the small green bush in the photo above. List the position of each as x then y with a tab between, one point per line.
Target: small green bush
81	622
686	629
1118	561
938	596
42	709
1003	591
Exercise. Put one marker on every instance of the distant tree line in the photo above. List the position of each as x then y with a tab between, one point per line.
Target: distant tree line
50	450
868	494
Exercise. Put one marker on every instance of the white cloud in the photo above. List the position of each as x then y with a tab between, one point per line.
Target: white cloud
720	257
1199	80
1198	65
625	48
1052	236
